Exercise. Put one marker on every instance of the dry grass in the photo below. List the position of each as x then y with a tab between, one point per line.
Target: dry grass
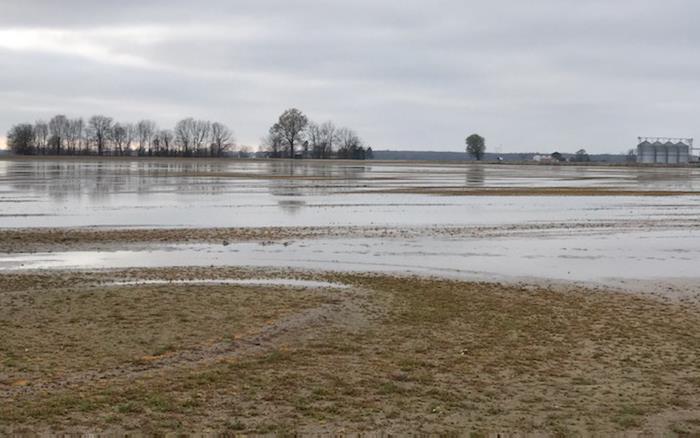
390	354
76	329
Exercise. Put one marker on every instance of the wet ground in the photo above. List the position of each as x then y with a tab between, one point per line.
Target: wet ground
178	296
584	257
180	193
580	238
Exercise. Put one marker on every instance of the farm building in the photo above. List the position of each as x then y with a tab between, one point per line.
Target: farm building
664	150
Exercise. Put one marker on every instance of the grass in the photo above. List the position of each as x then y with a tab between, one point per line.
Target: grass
392	354
80	328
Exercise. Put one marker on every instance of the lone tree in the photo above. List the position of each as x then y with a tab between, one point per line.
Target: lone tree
476	146
290	128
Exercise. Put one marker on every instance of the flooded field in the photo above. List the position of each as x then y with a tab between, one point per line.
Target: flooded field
602	258
180	193
587	236
175	296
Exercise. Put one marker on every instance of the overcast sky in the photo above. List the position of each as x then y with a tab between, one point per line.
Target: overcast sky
532	75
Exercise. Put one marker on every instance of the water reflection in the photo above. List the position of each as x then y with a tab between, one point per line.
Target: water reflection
97	181
296	180
475	176
291	206
207	193
666	178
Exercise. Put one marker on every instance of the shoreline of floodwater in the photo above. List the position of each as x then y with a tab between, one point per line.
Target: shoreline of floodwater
28	240
466	161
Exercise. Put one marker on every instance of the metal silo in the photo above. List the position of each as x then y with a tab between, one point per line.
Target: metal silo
683	152
664	150
646	153
671	153
660	156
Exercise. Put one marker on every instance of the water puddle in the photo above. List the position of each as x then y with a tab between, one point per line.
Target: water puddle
575	257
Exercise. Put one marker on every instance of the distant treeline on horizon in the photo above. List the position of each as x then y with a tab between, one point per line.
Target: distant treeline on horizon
385	154
101	135
292	136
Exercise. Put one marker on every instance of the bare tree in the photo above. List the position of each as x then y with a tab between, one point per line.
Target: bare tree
184	135
58	131
192	135
75	135
145	132
322	139
290	128
100	134
313	134
202	130
272	143
329	138
130	129
221	139
100	131
41	136
350	144
20	139
165	142
119	138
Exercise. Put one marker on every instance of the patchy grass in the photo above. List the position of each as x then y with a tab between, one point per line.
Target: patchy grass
49	332
394	354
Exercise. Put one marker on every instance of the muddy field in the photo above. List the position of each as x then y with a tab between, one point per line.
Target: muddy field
168	296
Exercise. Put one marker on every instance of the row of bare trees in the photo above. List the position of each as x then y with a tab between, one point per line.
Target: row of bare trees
101	135
295	136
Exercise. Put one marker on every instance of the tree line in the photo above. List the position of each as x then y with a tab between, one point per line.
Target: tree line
101	135
295	136
292	136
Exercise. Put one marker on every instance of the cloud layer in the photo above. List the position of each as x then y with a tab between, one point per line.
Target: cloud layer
529	76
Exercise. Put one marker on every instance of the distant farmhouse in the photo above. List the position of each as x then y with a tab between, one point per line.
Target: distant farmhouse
659	150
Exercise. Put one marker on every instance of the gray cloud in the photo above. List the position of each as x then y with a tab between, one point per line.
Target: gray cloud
543	75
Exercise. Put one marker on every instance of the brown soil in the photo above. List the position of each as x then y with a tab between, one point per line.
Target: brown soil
389	354
28	240
41	239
